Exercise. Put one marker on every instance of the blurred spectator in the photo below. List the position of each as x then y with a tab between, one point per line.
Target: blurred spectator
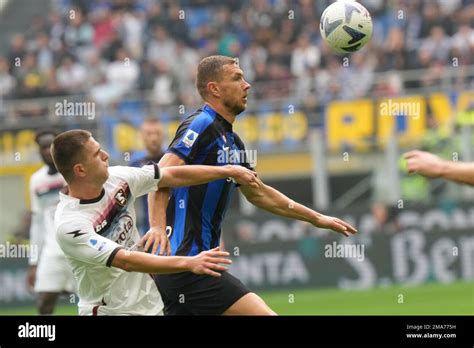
7	81
44	53
30	80
359	75
78	32
255	54
304	57
436	46
463	45
71	76
17	50
161	46
278	43
165	85
121	77
96	68
133	29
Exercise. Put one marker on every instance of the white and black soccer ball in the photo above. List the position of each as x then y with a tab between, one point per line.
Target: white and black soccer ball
346	26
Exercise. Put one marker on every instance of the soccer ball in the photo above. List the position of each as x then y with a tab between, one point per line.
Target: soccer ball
346	26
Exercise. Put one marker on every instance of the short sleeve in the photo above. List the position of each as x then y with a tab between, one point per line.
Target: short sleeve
80	242
140	180
192	137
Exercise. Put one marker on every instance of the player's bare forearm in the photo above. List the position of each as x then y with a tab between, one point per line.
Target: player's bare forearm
208	262
157	205
460	172
135	261
181	176
156	236
275	202
430	165
192	175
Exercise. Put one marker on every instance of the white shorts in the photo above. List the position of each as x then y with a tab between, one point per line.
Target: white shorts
54	275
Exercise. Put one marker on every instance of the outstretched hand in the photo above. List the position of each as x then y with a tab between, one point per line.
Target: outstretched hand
335	224
244	176
208	262
424	163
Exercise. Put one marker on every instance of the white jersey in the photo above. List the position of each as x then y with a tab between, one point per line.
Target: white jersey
91	233
44	194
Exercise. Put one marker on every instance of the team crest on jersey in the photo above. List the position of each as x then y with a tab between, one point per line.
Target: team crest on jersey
189	138
121	198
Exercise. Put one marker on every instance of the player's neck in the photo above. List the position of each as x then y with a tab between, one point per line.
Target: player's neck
221	110
85	192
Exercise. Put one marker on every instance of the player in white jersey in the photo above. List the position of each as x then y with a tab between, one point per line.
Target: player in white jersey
49	274
96	228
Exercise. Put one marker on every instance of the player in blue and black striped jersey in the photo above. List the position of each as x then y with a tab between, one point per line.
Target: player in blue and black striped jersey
194	215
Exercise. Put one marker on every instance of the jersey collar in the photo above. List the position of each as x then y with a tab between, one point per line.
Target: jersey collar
65	194
212	112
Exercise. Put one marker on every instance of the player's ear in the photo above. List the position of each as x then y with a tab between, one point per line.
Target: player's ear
213	89
79	170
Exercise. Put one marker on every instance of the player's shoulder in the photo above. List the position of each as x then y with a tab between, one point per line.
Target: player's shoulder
120	173
69	222
119	170
200	119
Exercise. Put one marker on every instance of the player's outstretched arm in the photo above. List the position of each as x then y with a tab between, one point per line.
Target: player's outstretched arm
175	174
179	176
432	166
207	262
275	202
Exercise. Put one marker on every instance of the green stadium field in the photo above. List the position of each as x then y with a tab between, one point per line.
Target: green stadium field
428	299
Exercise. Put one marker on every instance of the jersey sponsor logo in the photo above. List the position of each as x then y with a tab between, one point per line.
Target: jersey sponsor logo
121	231
189	138
120	198
98	227
76	233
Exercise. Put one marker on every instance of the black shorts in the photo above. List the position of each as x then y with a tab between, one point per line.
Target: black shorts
192	294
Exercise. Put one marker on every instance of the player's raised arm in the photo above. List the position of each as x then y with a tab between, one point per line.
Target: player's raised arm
176	176
275	202
429	165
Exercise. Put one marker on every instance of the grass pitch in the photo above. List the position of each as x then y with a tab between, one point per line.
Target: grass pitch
427	299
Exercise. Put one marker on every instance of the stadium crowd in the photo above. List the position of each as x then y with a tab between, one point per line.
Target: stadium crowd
108	49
